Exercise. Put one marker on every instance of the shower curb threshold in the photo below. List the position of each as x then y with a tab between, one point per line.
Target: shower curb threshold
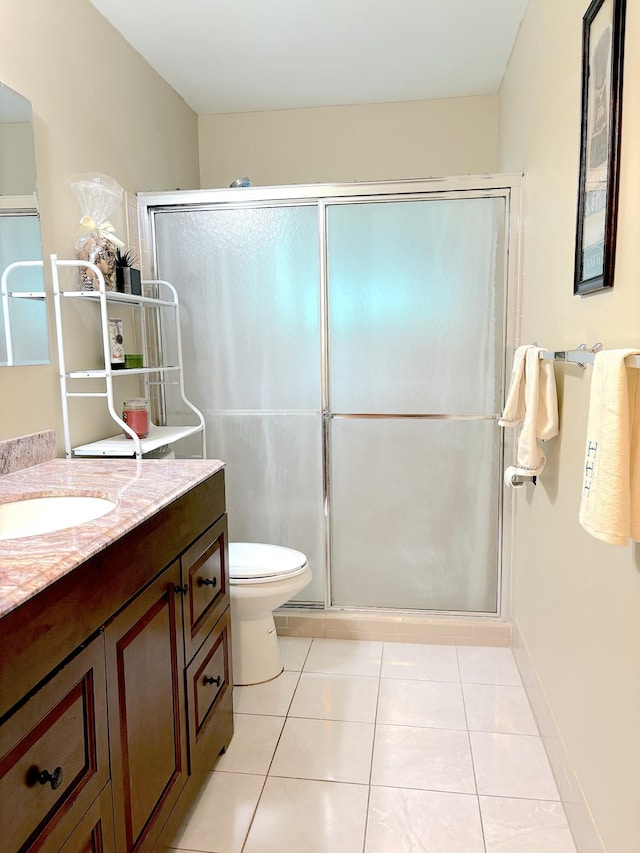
392	627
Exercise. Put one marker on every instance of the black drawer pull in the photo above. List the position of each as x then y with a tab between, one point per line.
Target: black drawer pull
55	778
182	589
209	680
210	582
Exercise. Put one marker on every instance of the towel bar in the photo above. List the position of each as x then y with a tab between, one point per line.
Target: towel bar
583	355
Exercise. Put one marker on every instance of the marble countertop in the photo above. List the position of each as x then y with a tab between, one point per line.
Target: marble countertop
140	488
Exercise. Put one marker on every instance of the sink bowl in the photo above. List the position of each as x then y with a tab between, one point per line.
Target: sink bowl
34	516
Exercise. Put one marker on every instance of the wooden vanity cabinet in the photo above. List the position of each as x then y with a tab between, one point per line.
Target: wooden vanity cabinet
119	677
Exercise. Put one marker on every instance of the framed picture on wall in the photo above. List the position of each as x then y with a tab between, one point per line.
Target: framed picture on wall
602	65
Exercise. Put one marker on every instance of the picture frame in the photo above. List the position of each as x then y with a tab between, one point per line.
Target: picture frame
602	71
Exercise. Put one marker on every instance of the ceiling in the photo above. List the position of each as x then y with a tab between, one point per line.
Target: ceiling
227	56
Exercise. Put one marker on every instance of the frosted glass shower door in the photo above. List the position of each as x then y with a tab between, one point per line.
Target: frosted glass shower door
416	342
250	309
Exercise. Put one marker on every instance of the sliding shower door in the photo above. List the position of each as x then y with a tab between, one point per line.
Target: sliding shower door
250	309
347	351
415	332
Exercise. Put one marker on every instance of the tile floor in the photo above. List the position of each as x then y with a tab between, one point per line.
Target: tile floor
367	747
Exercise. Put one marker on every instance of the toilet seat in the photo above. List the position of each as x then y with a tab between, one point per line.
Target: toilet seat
252	562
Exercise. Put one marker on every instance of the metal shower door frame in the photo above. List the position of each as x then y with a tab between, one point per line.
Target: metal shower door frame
324	196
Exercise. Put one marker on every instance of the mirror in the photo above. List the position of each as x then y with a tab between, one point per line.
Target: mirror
23	321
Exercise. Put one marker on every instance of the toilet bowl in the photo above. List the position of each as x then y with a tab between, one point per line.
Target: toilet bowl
261	578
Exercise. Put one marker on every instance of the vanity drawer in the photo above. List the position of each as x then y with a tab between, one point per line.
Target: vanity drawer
53	755
209	697
94	833
205	579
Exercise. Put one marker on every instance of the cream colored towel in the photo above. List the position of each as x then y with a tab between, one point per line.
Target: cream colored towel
532	402
610	507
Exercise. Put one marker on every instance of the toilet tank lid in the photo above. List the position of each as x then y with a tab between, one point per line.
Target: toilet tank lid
257	560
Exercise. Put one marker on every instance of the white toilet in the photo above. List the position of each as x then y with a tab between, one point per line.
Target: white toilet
261	578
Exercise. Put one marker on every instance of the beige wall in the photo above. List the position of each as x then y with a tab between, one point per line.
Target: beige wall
97	106
577	600
417	139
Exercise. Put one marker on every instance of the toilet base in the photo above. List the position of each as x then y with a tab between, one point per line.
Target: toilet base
256	653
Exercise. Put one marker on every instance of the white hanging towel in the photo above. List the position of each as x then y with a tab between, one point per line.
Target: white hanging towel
532	402
610	506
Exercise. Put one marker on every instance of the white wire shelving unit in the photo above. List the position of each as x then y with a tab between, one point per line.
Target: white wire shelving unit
126	443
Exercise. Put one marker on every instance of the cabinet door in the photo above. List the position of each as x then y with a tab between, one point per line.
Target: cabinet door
206	574
54	755
147	726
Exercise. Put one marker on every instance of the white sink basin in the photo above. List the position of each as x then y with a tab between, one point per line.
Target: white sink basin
34	516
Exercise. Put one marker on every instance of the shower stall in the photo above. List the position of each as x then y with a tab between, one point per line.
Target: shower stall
346	344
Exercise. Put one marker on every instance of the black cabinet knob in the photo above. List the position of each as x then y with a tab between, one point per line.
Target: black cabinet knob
209	680
182	589
54	778
210	582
